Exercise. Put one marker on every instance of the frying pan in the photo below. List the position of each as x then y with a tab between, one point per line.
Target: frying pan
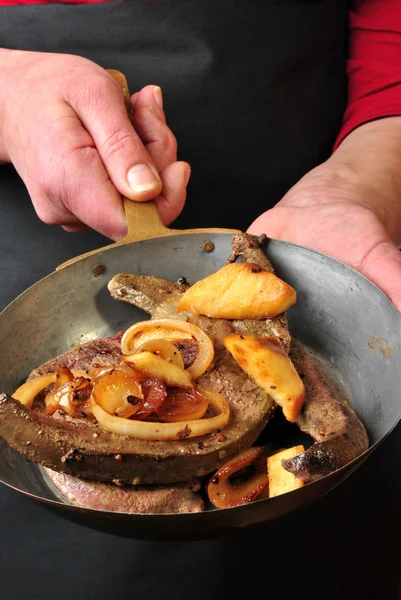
347	322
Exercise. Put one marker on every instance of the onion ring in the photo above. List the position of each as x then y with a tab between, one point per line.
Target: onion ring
223	493
27	392
146	430
170	329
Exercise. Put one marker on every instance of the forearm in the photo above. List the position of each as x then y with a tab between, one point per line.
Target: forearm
370	158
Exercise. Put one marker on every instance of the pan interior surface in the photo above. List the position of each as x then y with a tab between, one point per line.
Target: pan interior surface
342	317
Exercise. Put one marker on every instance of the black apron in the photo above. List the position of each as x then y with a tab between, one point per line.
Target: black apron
254	91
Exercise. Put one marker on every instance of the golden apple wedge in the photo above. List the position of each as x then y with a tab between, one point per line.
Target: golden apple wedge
157	367
268	364
238	291
280	480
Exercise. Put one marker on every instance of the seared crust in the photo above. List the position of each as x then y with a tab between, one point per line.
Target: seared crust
250	248
145	291
328	418
179	498
103	351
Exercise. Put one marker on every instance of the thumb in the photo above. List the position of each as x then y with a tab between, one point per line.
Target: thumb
127	162
383	267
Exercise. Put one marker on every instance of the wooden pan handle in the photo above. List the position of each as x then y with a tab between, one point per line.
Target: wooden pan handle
142	217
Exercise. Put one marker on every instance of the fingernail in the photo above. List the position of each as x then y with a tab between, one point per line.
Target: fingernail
187	176
142	178
157	92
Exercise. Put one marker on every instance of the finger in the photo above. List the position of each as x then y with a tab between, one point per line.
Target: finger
158	139
151	95
100	106
383	267
175	179
69	185
134	98
274	224
94	200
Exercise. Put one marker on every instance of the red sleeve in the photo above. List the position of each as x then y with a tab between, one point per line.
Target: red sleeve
374	63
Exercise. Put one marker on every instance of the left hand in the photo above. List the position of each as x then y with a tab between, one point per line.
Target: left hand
340	216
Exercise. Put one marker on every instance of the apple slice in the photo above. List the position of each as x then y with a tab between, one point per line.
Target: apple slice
238	291
268	364
154	366
280	480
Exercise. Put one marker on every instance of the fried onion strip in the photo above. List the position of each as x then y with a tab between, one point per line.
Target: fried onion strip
145	430
170	329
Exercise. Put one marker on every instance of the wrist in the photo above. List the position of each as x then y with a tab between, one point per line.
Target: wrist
365	171
369	163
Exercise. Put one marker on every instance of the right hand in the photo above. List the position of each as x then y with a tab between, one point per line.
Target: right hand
65	128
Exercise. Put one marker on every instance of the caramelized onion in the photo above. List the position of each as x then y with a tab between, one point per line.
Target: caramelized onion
145	430
98	370
221	490
165	350
153	366
69	400
170	329
52	399
116	391
154	394
27	392
64	375
182	404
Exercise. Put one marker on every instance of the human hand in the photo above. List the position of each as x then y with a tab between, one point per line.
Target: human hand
64	126
341	216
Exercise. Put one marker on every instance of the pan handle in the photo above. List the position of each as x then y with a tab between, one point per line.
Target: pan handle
142	217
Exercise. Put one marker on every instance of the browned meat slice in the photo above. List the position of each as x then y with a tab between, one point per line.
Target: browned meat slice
103	352
328	418
148	293
80	447
250	248
159	297
179	498
344	436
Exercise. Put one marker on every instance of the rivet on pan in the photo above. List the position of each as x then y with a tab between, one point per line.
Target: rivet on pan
208	246
98	270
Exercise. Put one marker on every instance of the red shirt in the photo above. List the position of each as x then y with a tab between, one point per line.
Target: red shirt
374	63
373	66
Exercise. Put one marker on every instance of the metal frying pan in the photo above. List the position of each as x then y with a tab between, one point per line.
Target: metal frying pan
347	321
350	325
